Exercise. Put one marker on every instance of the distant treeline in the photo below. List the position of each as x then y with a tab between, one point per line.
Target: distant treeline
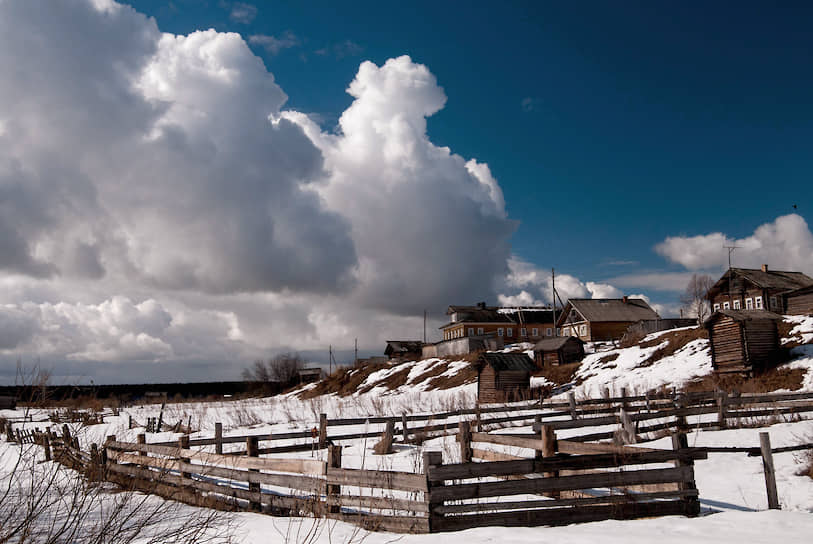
134	392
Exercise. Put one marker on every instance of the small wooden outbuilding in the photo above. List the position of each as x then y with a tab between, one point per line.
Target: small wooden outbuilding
742	340
799	301
558	351
503	377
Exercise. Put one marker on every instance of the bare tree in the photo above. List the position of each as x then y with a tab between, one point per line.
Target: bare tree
694	297
283	368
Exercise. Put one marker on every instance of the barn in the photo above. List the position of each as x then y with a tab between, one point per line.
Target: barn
800	301
503	377
558	351
742	340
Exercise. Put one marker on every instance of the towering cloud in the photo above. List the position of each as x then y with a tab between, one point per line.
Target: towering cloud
156	199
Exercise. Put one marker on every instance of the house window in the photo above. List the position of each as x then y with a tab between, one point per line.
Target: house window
471	331
480	331
583	330
758	302
548	331
523	331
774	304
510	331
454	317
499	331
737	305
749	304
716	307
726	306
534	332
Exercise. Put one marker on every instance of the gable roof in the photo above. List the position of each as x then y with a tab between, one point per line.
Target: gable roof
764	279
553	344
498	314
609	309
741	315
507	361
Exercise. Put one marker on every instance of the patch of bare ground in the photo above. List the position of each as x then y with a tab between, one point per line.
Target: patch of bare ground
765	382
463	376
391	381
675	341
344	381
560	374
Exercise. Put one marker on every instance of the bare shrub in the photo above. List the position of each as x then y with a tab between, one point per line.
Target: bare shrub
283	369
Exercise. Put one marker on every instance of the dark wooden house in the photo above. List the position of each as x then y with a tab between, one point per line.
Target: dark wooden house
8	403
742	340
756	289
503	377
406	350
602	319
558	351
799	301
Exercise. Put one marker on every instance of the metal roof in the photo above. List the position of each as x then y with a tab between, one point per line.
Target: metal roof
508	361
610	309
553	344
742	315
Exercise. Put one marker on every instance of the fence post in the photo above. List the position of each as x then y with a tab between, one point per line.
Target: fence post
9	432
384	447
183	443
219	438
767	466
404	428
334	460
628	427
432	459
479	422
66	436
105	459
691	503
571	398
46	443
722	401
624	398
93	471
322	431
464	435
548	437
253	450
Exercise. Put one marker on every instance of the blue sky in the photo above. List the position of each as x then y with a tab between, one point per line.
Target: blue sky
609	126
187	186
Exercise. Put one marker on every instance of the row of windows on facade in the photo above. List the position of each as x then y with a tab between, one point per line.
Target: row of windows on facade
458	333
750	304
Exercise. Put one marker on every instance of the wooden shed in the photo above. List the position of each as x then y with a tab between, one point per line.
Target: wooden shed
503	377
558	351
800	301
742	340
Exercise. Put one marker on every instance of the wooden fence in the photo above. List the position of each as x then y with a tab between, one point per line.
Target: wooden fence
558	481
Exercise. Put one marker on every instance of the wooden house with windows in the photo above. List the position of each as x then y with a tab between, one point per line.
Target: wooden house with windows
743	341
602	319
503	377
508	325
558	351
756	289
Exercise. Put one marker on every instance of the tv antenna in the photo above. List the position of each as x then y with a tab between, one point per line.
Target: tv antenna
730	251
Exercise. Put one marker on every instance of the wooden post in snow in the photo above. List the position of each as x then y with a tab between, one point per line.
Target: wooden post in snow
767	466
571	399
334	460
219	438
464	435
722	401
253	450
692	504
404	428
322	431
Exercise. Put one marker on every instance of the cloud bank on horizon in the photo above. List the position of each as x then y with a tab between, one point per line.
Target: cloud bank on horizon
159	206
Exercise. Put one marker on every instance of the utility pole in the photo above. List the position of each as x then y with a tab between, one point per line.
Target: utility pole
553	298
424	326
330	359
356	358
730	249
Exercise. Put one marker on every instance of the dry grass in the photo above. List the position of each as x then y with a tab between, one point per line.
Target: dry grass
344	381
676	340
560	374
765	382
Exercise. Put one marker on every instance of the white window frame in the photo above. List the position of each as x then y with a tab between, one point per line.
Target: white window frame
583	330
758	303
726	306
500	330
549	332
774	302
471	331
737	305
749	304
534	332
716	307
480	331
523	331
510	332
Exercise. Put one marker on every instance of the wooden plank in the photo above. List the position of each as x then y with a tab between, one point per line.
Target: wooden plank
555	503
580	448
487	455
403	481
395	524
508	440
379	503
291	481
559	516
563	483
300	466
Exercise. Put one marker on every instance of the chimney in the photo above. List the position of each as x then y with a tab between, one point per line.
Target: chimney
481	305
624	299
764	267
